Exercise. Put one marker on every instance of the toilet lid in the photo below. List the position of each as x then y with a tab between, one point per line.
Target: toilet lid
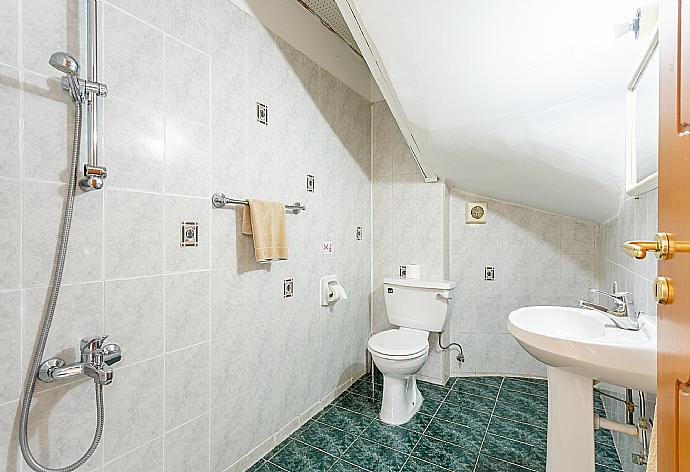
399	342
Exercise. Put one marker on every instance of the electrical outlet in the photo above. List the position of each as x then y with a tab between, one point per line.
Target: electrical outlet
190	234
262	113
288	288
310	183
489	273
358	233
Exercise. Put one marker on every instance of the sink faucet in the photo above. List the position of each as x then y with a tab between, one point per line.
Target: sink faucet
623	314
96	359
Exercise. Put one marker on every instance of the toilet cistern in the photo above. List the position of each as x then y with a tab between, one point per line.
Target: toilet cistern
331	290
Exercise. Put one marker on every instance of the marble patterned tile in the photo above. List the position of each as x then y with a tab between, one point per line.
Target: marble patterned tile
187	162
9	126
186	385
134	146
133	59
491	464
40	228
418	423
134	406
299	456
395	437
343	466
327	438
518	431
9	444
147	458
227	427
415	464
527	455
186	447
187	309
526	386
463	416
464	385
432	391
374	456
345	419
10	254
134	242
186	88
10	345
454	433
134	317
429	406
363	405
445	454
482	404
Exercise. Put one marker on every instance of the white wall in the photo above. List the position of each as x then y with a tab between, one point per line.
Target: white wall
539	259
216	364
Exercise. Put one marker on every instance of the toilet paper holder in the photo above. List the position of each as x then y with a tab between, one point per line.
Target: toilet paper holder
331	290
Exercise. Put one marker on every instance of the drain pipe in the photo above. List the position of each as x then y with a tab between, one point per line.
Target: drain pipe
605	423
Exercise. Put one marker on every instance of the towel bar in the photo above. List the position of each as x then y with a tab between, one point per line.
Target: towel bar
219	200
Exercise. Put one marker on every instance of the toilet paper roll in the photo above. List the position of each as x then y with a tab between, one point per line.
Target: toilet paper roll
335	293
411	271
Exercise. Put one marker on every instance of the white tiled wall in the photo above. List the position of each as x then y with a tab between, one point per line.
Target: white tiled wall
637	220
409	221
215	361
539	259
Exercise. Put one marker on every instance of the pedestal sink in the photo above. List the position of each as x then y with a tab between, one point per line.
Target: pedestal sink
580	346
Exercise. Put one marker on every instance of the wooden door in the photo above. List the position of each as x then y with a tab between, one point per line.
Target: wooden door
673	384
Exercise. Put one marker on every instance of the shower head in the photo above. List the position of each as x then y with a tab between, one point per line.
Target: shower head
65	63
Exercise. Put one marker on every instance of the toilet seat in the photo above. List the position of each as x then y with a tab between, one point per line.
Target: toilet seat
401	344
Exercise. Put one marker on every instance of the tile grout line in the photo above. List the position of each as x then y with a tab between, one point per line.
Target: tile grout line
481	445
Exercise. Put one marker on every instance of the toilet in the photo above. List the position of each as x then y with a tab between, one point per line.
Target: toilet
418	307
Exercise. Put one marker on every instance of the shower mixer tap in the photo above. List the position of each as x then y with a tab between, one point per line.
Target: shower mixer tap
96	359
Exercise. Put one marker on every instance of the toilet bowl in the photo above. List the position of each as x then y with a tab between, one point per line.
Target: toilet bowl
399	354
418	307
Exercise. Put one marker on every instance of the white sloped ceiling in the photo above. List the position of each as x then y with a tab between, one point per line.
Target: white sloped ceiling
517	100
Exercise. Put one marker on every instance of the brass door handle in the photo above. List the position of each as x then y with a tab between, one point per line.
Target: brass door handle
663	247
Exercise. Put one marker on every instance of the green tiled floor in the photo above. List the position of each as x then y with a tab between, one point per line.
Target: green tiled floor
473	424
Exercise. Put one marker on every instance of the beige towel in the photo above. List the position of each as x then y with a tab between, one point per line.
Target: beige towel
265	221
651	457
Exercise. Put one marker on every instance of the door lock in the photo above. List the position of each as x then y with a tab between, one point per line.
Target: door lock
663	290
663	247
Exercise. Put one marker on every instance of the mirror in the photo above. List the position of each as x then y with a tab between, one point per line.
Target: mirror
642	123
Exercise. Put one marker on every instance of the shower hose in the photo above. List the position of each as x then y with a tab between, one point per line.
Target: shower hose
48	319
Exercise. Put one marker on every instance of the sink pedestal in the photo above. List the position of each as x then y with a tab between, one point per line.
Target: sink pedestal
570	433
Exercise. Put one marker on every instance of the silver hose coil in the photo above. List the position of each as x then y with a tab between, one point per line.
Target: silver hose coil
39	349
